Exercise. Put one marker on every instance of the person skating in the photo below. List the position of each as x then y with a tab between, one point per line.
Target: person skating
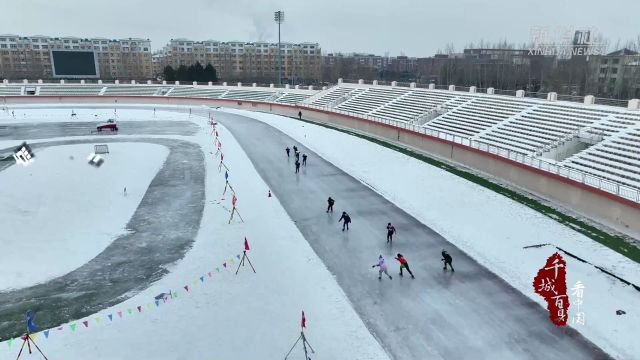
288	151
330	203
295	149
404	264
382	268
304	159
447	260
347	220
297	166
300	115
390	231
297	155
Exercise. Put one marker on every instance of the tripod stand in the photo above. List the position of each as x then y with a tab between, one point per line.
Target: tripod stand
227	185
26	339
245	256
233	211
305	343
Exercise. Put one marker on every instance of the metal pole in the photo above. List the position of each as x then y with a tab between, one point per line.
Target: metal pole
279	57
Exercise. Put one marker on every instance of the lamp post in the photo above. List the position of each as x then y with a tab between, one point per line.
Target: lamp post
279	18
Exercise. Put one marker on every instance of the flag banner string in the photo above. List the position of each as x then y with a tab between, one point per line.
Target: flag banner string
114	315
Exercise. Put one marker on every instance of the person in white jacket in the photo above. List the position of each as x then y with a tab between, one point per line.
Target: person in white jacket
382	268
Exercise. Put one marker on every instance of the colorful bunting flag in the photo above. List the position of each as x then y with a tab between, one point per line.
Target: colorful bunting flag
85	323
157	303
175	294
218	269
148	306
97	319
139	308
194	282
130	311
209	273
201	278
120	314
186	287
46	334
33	336
9	342
238	256
73	327
110	317
246	245
224	264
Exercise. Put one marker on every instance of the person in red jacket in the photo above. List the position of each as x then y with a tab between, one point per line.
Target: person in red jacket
404	264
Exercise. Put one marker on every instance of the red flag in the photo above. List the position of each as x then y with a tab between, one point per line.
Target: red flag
246	244
221	157
234	199
217	133
303	322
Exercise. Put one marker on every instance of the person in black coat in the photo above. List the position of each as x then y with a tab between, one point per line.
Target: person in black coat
447	260
297	166
297	155
304	159
300	115
287	150
330	203
347	220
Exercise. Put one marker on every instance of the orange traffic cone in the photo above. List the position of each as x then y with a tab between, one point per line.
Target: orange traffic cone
269	193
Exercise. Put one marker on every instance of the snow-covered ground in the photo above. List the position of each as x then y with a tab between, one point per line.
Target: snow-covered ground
489	227
41	222
248	316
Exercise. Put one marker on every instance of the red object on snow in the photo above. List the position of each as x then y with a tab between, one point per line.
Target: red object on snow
234	199
221	157
246	244
111	124
303	322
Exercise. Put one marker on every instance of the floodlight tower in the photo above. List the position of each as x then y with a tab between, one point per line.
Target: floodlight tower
279	18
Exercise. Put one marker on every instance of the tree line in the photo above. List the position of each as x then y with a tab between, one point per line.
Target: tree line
195	72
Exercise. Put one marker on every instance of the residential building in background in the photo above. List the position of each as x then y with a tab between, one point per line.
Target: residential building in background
618	74
245	61
30	58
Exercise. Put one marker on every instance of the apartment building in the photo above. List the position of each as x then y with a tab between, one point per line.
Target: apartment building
28	57
618	73
245	61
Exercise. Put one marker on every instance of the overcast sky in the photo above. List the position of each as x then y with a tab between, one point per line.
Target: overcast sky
410	27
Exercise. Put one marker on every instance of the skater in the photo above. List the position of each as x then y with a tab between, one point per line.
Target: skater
304	159
330	202
346	218
295	149
390	231
287	150
125	191
447	260
297	155
297	166
404	264
73	114
383	268
300	115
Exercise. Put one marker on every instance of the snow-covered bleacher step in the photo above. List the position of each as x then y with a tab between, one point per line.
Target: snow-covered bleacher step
291	98
616	158
248	95
70	90
197	92
10	90
332	95
132	90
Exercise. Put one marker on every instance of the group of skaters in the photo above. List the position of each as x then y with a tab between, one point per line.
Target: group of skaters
391	230
296	154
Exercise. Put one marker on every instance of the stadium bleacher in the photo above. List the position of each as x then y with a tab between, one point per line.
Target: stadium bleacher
528	126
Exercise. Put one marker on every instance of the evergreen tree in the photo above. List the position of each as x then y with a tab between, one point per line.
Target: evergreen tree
210	73
169	73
